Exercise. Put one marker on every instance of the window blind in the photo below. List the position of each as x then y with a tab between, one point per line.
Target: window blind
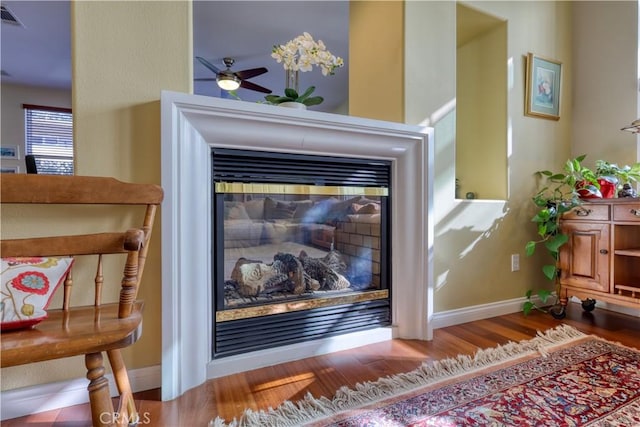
49	138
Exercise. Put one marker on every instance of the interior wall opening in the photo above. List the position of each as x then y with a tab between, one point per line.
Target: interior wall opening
481	105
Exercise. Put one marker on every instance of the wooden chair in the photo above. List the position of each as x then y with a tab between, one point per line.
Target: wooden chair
101	327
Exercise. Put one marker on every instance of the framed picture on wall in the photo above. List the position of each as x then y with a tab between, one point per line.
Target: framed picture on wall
543	87
10	152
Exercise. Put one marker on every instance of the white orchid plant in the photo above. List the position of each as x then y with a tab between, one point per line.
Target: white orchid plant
301	54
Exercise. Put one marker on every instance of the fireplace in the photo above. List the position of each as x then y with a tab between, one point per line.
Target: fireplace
301	248
194	125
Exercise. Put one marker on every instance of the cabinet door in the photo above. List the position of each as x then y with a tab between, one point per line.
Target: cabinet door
585	259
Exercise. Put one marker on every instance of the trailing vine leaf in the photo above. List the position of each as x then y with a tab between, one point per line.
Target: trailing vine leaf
527	307
554	243
549	271
544	295
559	194
530	248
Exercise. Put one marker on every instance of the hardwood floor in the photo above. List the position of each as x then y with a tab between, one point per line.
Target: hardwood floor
228	397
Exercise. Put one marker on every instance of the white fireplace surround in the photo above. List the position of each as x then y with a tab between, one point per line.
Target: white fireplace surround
191	125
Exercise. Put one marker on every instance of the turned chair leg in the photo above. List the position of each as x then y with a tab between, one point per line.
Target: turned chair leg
101	405
127	407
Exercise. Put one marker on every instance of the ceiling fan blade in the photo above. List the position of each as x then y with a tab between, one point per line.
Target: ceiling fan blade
247	74
252	86
208	64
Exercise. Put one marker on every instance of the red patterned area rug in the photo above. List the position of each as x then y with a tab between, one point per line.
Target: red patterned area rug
561	377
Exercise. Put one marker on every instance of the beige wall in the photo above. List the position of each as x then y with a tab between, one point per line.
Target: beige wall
481	115
118	73
376	58
606	78
13	96
474	239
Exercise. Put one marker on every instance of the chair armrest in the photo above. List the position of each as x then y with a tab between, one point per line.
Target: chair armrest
134	239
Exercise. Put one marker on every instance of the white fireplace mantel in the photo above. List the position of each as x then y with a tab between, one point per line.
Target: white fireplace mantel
191	125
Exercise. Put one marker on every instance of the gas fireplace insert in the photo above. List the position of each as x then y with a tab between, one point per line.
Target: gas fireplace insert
301	247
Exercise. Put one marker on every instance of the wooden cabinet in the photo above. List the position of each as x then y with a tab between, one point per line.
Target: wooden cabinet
601	260
586	262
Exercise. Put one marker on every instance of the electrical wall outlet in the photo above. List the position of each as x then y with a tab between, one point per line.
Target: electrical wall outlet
515	262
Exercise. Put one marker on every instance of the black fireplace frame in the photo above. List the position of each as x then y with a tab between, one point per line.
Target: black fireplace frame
243	335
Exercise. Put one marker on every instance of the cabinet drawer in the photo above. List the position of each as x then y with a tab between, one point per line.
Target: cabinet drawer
589	213
626	212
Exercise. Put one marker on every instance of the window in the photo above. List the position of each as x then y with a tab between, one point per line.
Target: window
49	138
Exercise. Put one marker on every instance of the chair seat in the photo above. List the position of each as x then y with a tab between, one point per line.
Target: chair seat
79	331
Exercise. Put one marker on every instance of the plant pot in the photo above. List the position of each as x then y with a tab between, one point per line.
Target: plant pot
298	105
586	193
608	189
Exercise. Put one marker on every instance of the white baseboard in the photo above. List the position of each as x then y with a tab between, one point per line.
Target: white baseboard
477	312
500	308
45	397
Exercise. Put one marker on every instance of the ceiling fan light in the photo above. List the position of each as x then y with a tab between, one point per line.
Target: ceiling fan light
634	127
228	81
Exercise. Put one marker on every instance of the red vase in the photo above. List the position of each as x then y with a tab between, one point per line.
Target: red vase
586	193
608	189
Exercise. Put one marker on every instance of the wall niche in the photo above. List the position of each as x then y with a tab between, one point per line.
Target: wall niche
481	105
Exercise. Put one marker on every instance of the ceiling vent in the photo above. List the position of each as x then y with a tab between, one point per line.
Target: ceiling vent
9	17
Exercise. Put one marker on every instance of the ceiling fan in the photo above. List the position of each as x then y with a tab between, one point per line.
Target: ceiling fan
232	80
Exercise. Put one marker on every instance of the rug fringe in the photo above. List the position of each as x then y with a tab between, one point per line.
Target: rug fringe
311	408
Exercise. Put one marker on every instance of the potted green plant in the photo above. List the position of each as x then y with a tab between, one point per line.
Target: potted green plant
617	175
561	193
607	174
629	174
583	179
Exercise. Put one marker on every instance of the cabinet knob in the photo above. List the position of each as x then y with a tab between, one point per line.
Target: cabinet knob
635	212
604	251
583	212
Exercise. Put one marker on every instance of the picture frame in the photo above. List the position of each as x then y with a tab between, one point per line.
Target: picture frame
9	169
543	87
10	152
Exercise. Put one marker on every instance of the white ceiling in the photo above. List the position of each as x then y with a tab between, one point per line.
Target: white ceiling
39	52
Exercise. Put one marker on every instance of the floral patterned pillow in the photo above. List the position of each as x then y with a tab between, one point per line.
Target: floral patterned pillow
26	289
